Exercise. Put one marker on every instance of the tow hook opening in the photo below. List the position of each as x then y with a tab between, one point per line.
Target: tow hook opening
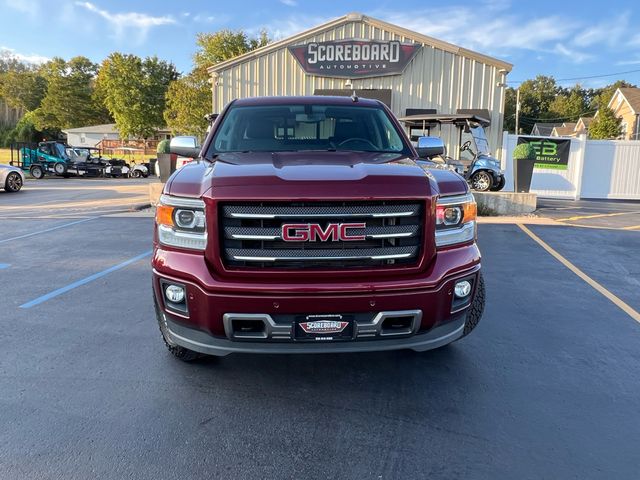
397	325
248	328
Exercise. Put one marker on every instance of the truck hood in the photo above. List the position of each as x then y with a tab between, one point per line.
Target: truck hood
296	175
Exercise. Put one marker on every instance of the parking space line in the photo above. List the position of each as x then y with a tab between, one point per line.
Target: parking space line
598	287
84	281
599	215
46	230
632	227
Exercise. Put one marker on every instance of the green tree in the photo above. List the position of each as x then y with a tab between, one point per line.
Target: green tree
24	89
570	105
188	101
606	125
600	97
536	97
225	44
510	110
189	98
133	90
68	101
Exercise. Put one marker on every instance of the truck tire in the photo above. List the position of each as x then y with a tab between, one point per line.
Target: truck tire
477	307
36	172
13	183
499	186
481	181
177	351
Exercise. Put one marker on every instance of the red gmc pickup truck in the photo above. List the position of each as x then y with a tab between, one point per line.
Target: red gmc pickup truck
312	224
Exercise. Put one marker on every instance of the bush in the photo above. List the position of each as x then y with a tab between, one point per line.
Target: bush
524	151
163	146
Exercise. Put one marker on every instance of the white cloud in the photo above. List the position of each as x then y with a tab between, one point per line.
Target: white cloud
608	32
204	18
629	62
25	6
573	55
288	26
31	58
139	23
289	3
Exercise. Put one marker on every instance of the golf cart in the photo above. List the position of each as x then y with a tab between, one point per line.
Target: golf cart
476	165
129	167
52	158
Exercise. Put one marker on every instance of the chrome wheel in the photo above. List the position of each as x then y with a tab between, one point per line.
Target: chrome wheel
481	181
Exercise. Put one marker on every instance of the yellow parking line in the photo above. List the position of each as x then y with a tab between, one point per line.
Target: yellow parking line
632	227
613	298
599	215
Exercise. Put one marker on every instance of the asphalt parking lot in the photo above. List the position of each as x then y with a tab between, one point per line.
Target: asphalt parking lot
546	387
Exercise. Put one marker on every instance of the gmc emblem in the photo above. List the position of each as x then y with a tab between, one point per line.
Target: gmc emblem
313	232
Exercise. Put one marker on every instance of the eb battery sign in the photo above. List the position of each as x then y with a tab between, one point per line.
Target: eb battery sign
550	153
354	58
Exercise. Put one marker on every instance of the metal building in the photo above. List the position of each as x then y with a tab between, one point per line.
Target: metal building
405	69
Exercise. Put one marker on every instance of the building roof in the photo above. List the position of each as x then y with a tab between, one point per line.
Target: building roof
565	130
101	129
586	121
631	95
358	17
545	129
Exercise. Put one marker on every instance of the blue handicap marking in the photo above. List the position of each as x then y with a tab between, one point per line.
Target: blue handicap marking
4	265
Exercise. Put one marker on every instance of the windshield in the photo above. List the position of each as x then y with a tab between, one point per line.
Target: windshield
277	128
482	144
60	151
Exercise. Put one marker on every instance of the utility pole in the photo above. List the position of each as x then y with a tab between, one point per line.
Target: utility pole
518	111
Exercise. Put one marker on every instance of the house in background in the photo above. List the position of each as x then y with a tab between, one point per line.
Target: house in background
625	104
582	126
544	129
566	129
91	136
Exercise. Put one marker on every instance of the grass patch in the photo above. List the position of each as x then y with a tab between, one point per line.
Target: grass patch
5	155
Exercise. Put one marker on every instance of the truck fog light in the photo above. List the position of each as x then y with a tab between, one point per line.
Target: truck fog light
462	289
175	294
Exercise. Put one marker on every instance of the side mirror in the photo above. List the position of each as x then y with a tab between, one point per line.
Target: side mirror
185	146
430	147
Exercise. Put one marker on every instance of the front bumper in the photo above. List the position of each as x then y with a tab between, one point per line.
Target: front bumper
438	317
199	341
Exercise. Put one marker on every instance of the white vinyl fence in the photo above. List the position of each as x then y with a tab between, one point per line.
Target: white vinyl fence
596	169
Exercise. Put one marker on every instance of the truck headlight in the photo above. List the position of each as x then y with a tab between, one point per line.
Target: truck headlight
455	220
181	222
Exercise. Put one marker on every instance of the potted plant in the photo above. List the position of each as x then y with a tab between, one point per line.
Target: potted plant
524	158
166	161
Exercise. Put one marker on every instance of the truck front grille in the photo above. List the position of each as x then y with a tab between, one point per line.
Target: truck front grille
252	234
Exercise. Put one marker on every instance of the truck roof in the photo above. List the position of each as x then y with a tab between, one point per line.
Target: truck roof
308	100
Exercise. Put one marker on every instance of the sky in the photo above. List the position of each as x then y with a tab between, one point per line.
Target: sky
566	39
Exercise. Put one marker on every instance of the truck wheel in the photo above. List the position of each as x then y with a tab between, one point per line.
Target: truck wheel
499	186
36	172
136	174
481	181
477	307
60	168
177	351
13	183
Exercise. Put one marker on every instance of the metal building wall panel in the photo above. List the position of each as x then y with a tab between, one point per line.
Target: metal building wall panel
433	79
